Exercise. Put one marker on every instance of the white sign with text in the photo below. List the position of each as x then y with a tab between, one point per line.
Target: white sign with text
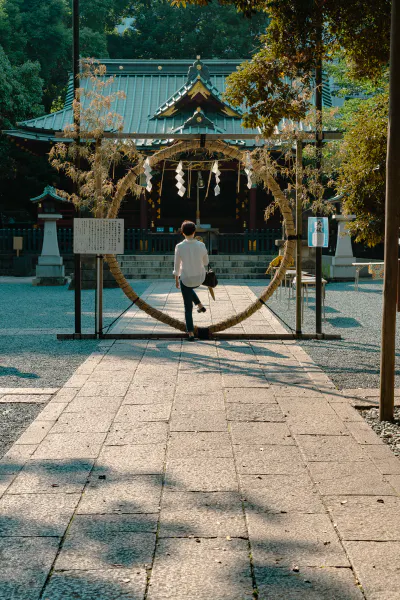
98	236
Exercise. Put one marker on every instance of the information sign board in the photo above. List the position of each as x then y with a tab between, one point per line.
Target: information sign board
318	232
98	236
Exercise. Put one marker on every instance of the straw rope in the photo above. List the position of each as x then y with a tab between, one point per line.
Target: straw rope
129	183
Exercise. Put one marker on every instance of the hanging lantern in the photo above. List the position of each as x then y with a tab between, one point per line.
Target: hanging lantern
217	174
180	180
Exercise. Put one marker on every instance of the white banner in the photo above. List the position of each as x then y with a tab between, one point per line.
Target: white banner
98	236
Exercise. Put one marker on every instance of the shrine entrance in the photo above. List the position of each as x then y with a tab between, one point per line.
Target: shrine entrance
227	151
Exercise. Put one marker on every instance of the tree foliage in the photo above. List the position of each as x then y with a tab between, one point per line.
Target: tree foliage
362	171
175	32
90	161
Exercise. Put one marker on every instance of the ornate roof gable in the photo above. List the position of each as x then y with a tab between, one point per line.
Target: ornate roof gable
197	93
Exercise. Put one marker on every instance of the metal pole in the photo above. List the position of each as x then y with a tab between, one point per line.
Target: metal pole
318	145
99	296
299	227
388	347
75	75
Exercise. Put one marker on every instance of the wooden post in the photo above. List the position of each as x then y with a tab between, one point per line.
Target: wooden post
299	230
318	143
388	347
143	210
252	207
75	75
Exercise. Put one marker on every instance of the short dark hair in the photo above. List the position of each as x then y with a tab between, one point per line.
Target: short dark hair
188	227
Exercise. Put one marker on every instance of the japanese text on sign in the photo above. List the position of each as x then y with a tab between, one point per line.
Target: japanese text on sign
98	236
318	232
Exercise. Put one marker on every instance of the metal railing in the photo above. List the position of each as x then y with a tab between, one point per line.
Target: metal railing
142	241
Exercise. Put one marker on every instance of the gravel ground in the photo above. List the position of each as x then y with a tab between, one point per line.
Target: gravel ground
32	356
352	362
388	432
14	419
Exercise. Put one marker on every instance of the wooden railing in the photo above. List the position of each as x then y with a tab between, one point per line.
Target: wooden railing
142	241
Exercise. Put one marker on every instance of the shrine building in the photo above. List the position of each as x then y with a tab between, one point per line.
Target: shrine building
174	96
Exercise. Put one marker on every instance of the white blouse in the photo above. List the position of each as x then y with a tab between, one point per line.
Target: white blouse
190	260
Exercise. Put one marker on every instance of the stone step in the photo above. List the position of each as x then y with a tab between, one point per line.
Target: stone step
217	265
214	258
221	276
157	271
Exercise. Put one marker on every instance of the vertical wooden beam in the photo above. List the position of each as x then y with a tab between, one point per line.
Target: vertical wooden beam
252	207
75	75
318	145
299	230
143	210
388	347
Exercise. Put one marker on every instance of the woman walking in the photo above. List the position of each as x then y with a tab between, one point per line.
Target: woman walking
191	258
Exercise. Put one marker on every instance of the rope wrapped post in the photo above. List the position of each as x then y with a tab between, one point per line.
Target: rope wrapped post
129	183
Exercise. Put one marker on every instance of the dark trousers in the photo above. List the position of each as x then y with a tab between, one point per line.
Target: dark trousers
189	298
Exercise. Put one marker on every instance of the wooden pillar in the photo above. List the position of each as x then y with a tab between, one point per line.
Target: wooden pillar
318	146
253	207
76	84
388	347
143	211
299	231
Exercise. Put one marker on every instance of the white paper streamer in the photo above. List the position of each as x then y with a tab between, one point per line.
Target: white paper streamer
147	172
248	169
217	173
180	179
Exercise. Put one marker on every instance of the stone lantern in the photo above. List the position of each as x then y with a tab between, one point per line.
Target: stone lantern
50	269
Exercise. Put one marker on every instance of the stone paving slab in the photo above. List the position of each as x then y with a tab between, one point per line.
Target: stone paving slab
201	474
280	494
295	539
254	412
69	446
102	550
261	434
129	460
327	448
369	518
83	422
51	477
133	413
349	478
25	398
204	569
377	564
36	515
199	444
121	434
249	396
115	495
198	421
107	584
25	564
307	584
268	460
166	470
28	391
202	514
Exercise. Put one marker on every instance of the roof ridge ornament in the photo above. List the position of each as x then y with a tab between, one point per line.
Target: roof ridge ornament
198	68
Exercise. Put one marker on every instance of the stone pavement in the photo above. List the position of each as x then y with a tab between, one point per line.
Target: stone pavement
218	470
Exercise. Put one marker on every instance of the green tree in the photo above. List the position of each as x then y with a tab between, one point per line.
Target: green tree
160	30
362	165
20	98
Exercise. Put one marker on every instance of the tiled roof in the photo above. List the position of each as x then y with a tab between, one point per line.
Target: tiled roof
150	87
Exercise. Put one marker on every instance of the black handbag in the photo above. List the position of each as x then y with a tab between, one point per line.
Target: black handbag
211	280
